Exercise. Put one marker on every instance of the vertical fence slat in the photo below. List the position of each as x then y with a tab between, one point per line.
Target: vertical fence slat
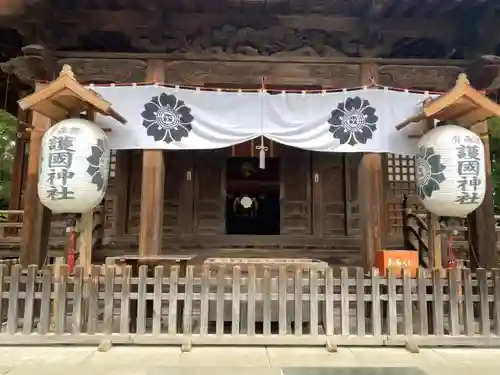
468	303
252	291
219	309
125	300
62	299
172	300
45	302
407	303
453	288
142	289
109	302
93	288
29	300
376	317
329	308
3	312
236	301
76	322
344	301
360	302
314	301
422	301
392	318
282	296
204	305
438	302
12	313
188	301
484	311
496	306
267	301
157	299
297	318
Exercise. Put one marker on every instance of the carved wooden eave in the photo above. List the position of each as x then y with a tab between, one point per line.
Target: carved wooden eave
65	97
463	105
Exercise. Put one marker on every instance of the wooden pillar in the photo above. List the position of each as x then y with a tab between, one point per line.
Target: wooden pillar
371	207
481	222
85	228
434	238
371	194
152	188
36	219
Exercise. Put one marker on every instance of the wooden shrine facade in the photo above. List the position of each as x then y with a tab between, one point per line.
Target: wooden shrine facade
326	211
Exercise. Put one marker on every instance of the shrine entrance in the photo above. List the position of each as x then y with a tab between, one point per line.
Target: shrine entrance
252	196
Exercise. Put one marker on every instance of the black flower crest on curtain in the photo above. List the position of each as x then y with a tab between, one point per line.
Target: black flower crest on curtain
353	121
98	162
167	118
429	172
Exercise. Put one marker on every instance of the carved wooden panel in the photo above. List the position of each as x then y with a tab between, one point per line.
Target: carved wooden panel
250	73
351	166
110	198
107	70
295	176
329	182
439	78
176	204
209	197
134	211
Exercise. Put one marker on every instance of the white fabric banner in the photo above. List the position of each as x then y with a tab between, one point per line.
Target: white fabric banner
174	119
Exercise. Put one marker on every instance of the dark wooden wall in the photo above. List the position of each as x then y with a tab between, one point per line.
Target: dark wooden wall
318	194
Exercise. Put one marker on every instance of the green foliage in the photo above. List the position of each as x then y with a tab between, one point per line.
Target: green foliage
8	124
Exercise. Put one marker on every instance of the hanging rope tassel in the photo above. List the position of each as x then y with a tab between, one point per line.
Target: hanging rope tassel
262	153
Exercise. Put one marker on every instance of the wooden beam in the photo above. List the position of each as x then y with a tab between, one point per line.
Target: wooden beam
36	220
152	190
481	222
371	195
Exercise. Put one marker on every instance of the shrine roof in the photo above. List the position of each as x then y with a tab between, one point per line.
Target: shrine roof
463	105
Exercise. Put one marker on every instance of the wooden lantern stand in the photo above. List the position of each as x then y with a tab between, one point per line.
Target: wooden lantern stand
463	106
59	100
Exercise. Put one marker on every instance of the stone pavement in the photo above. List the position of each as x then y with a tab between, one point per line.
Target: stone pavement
245	361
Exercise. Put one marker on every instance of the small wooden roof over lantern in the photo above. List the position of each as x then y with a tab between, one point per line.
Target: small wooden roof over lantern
66	97
463	105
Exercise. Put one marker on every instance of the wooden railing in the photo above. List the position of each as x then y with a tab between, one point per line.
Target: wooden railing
10	226
11	223
415	233
250	305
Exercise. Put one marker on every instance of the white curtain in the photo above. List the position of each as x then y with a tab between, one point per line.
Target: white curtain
173	119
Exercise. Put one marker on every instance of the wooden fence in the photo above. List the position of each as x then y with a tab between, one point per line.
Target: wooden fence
248	305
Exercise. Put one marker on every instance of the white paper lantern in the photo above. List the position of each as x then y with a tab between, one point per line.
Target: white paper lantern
74	166
450	168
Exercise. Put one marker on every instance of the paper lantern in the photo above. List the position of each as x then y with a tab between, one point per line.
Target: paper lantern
74	166
450	168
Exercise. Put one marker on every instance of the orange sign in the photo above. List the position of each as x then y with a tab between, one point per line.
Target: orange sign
397	260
